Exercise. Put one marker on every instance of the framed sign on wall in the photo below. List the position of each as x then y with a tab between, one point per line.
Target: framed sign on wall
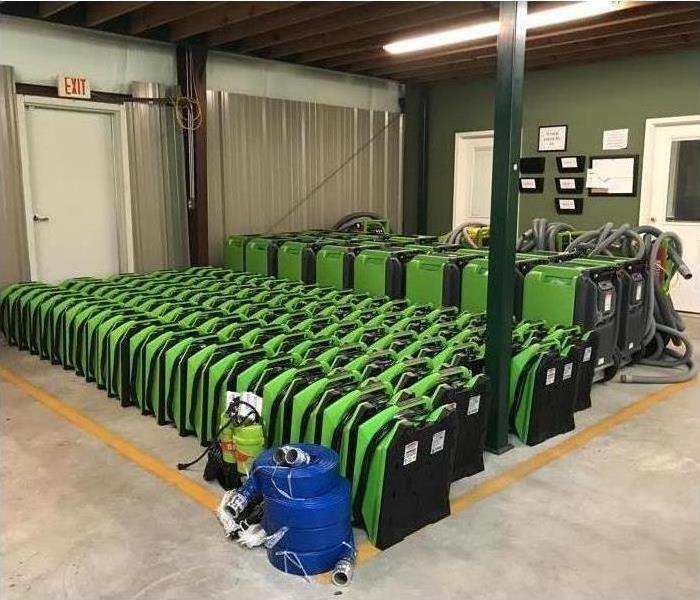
552	138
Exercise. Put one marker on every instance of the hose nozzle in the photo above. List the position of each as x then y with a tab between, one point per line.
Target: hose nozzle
341	575
289	456
237	503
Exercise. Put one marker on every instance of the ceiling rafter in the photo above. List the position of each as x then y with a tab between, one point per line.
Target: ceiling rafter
220	16
50	9
98	13
424	16
340	52
162	13
277	20
315	27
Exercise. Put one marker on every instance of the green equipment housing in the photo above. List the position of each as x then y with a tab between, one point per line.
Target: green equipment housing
369	343
570	293
632	304
382	272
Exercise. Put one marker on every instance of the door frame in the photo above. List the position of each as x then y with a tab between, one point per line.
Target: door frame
123	207
459	183
650	129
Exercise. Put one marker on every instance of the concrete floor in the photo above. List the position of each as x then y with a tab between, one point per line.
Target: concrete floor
618	518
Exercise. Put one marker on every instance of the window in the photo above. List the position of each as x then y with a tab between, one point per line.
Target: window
684	181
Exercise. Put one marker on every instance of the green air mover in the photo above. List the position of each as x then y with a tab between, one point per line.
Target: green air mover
381	272
261	255
572	294
303	418
335	264
470	395
475	282
402	470
278	398
434	279
541	395
296	260
234	252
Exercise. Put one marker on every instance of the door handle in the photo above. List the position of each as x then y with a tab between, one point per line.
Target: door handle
653	219
38	218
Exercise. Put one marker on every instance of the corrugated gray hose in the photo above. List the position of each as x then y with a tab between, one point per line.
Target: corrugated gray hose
663	323
599	241
541	235
459	233
348	221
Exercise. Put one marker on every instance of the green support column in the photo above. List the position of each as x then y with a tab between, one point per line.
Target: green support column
504	215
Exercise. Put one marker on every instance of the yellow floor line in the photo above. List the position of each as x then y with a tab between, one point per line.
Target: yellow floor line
153	465
365	550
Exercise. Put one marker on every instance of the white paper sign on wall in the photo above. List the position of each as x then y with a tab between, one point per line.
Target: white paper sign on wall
552	138
615	139
73	86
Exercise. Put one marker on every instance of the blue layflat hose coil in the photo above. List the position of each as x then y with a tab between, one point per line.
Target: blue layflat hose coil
307	513
310	538
312	502
310	563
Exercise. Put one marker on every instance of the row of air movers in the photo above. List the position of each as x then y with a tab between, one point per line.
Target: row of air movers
605	294
396	388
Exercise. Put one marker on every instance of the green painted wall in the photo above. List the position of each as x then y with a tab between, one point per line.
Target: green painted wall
590	98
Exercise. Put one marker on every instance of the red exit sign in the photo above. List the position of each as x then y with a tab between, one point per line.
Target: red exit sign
73	86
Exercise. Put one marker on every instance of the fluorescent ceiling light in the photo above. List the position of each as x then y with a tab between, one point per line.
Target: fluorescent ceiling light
542	18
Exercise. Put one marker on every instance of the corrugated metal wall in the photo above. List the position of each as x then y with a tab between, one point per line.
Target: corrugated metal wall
157	169
281	165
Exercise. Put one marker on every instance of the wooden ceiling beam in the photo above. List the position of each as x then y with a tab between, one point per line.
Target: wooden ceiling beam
326	25
328	56
220	16
162	13
629	17
423	17
50	9
98	13
276	20
602	39
487	65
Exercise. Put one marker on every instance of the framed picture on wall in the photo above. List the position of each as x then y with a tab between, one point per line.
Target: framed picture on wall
552	138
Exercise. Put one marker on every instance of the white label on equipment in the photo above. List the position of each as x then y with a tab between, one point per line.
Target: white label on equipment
437	444
638	292
569	162
551	374
587	354
607	303
601	360
410	453
568	369
528	184
474	403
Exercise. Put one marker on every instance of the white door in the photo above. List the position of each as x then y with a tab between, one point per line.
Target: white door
472	177
671	195
74	193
